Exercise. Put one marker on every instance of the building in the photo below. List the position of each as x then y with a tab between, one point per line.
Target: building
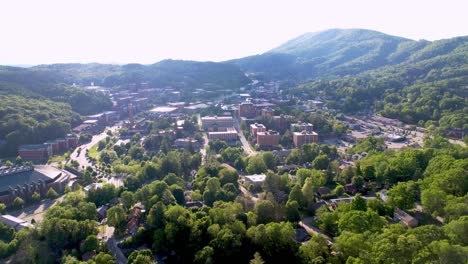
186	143
405	218
268	112
62	144
14	222
256	179
213	123
304	137
268	138
316	104
247	109
24	181
37	152
255	128
282	122
228	134
302	126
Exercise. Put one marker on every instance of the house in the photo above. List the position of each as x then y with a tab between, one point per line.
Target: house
323	191
405	218
134	218
351	188
256	179
102	212
14	222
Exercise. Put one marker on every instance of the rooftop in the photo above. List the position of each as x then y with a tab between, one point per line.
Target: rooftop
256	177
217	118
32	147
163	109
13	178
305	133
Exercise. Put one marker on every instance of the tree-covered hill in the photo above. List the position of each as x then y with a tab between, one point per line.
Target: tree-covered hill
340	52
177	73
427	89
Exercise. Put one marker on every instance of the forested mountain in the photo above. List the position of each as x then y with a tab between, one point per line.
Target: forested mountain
340	52
177	73
429	88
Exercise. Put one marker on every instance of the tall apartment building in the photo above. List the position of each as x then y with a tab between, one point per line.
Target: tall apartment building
214	122
268	138
247	109
268	112
304	137
255	128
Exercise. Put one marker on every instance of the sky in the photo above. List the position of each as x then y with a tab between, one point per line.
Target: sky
147	31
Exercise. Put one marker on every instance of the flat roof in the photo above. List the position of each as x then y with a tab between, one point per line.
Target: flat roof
305	133
256	177
216	117
40	173
163	109
32	147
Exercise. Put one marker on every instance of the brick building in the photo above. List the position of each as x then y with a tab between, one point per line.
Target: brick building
304	137
247	109
35	152
268	138
255	128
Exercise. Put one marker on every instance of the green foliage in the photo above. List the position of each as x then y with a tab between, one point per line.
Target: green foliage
256	165
403	195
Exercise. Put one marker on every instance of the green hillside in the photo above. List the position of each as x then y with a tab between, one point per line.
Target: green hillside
341	52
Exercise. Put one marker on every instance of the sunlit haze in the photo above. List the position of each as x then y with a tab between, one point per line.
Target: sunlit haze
110	31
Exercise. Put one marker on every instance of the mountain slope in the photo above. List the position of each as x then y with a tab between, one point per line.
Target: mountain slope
340	52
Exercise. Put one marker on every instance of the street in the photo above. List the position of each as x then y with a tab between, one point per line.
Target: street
243	140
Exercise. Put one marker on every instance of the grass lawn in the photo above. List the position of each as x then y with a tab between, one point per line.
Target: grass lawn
93	152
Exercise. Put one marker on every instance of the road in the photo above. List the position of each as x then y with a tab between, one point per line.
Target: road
243	140
305	224
115	250
81	157
205	143
247	193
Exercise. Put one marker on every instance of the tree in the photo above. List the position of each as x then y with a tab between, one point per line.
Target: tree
18	202
297	196
35	197
256	165
204	256
321	162
434	201
292	212
315	248
116	217
403	195
91	243
2	207
456	230
103	258
359	221
141	257
358	203
257	259
265	212
127	199
270	160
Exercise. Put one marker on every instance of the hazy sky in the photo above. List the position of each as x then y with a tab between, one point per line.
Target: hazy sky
114	31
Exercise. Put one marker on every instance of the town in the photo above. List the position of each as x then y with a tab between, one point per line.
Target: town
290	156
